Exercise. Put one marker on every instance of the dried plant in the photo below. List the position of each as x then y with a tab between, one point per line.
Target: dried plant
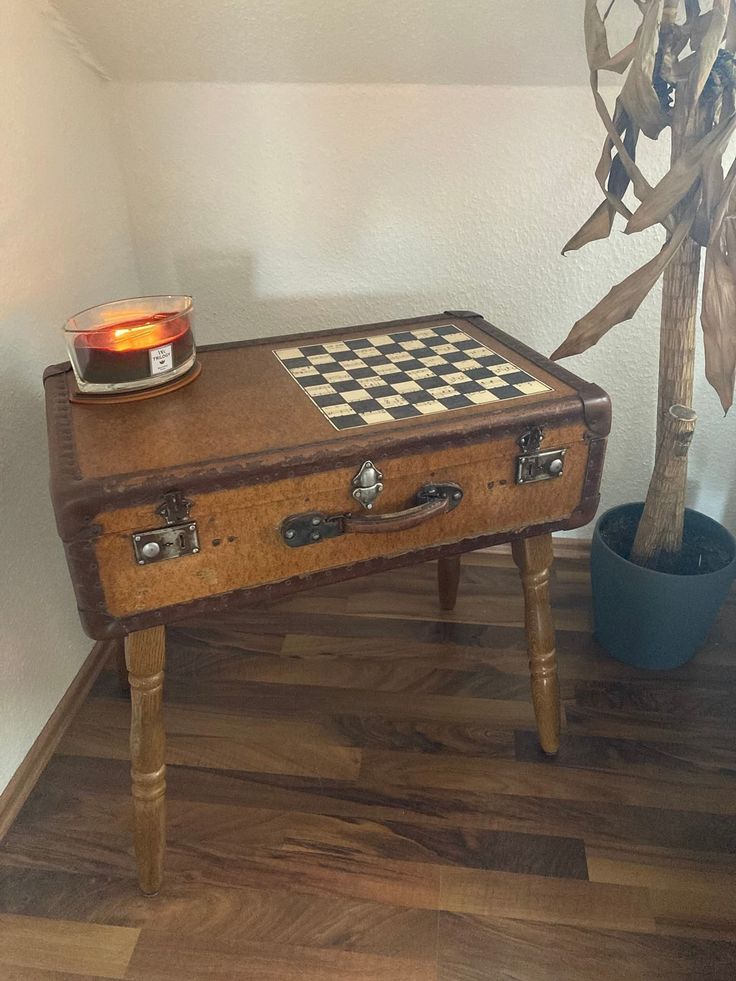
679	74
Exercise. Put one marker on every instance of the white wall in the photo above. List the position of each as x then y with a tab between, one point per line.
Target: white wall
64	244
475	42
289	207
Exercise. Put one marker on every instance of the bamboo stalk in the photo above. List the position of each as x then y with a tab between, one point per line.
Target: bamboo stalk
670	11
677	333
659	536
680	282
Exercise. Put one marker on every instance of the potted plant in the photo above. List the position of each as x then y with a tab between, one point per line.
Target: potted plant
660	570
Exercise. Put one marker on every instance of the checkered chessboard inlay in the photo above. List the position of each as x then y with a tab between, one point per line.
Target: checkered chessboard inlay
369	380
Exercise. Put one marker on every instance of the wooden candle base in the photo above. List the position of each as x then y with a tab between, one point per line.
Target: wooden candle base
92	398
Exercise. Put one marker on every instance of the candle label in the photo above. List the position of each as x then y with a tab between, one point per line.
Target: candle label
161	359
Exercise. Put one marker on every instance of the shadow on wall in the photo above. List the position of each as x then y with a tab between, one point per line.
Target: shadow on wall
23	433
227	307
38	602
729	509
726	514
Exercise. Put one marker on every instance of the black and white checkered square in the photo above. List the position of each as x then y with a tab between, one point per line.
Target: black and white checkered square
410	373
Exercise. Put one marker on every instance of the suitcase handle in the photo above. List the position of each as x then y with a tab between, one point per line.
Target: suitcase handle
397	521
313	527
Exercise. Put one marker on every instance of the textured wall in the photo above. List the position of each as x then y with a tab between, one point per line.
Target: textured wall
477	42
291	207
64	244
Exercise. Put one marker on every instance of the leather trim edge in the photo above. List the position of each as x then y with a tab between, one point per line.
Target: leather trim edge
596	403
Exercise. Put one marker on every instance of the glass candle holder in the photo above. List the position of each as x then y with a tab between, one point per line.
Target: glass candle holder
131	344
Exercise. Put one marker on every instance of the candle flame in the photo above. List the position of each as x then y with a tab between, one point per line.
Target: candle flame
137	335
127	331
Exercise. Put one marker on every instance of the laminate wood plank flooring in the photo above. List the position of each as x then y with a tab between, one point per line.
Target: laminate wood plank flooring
356	793
88	949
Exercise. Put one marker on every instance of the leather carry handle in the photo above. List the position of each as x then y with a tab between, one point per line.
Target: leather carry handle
315	526
397	521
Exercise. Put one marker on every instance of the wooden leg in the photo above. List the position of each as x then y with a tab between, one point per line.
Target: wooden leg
144	655
122	668
448	579
533	556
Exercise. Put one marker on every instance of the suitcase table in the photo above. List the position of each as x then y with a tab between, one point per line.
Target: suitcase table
306	459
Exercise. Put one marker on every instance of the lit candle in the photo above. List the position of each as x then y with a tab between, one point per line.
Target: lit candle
131	344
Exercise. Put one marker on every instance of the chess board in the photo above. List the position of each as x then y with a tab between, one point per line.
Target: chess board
409	373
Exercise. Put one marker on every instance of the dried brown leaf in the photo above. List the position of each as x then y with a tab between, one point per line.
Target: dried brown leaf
612	174
596	227
718	313
712	191
718	318
619	179
642	187
614	180
728	101
622	302
596	36
722	203
620	61
730	42
698	30
674	71
707	51
681	177
596	43
638	95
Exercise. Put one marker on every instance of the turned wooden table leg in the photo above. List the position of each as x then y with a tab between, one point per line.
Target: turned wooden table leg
448	579
533	556
144	655
122	667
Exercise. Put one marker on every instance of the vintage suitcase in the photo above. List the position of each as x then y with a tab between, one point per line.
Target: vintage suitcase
300	460
247	482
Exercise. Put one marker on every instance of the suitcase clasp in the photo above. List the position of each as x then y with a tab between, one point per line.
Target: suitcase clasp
179	536
175	508
367	484
534	463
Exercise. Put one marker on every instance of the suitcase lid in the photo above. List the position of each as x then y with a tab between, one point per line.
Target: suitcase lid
276	407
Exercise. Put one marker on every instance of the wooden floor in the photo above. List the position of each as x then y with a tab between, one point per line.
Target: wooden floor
355	793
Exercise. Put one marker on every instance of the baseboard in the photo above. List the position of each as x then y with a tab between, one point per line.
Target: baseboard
26	776
564	548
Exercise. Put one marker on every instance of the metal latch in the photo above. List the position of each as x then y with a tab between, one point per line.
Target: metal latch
171	542
367	484
536	464
178	538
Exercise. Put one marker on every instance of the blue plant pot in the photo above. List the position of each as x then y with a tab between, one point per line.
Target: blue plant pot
656	619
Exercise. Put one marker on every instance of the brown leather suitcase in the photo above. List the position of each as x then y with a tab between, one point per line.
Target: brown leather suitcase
299	460
257	478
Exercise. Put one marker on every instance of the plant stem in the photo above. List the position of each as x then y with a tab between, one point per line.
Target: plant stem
659	536
679	298
670	11
677	332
